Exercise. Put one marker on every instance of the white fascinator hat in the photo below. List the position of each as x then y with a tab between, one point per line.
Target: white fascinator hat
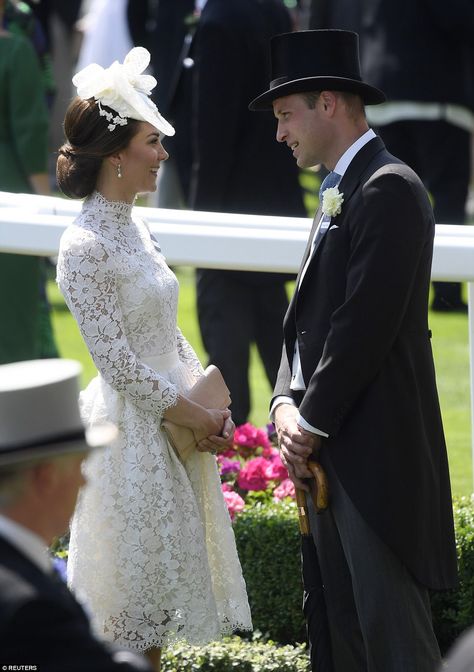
124	89
39	412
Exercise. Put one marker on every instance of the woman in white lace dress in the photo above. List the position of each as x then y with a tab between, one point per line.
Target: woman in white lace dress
152	551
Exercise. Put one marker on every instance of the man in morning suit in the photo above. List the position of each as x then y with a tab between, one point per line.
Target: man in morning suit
42	446
356	384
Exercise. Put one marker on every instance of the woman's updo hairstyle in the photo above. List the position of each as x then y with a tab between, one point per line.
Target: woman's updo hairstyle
89	142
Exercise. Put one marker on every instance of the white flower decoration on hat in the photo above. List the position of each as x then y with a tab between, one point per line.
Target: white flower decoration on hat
124	89
332	201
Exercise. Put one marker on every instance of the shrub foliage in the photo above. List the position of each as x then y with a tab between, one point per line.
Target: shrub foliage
232	654
268	542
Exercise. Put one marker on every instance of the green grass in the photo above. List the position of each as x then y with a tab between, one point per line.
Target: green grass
450	346
451	353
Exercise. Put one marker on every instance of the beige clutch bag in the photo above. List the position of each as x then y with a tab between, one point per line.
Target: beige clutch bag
210	391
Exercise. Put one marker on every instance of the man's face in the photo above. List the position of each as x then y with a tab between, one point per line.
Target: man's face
302	128
65	481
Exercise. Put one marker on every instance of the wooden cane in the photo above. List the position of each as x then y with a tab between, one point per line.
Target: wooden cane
318	486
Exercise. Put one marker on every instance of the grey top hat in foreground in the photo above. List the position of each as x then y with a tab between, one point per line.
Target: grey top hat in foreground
39	412
315	60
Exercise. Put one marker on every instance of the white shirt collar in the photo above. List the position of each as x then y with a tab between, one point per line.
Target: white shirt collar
200	4
27	542
343	163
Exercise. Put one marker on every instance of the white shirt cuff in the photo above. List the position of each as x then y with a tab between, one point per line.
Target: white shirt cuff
282	399
309	428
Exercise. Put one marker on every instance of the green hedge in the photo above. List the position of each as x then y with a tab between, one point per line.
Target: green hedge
235	655
269	548
268	542
453	611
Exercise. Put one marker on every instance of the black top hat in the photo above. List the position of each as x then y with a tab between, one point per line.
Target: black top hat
315	60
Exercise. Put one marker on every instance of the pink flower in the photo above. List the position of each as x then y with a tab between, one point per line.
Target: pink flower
252	475
226	487
234	502
285	489
250	437
230	452
270	453
276	470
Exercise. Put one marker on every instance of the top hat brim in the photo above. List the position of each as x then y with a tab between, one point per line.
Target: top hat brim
370	94
98	436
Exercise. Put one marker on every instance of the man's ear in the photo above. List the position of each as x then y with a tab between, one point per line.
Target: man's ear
328	101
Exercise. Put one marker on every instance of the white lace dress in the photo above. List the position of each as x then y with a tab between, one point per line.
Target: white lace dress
152	552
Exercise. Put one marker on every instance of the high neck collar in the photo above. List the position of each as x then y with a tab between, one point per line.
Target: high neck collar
119	210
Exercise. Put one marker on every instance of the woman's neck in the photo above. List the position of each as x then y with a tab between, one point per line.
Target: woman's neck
114	190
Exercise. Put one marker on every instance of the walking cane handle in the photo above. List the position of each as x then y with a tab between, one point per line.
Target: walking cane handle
318	486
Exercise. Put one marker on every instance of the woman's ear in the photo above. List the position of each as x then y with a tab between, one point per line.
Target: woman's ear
115	160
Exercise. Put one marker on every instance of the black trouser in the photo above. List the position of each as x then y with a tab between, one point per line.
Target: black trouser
236	309
379	616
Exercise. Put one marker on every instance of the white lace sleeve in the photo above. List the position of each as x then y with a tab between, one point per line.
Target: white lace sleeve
187	354
87	278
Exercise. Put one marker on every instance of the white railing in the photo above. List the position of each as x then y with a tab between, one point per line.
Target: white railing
34	224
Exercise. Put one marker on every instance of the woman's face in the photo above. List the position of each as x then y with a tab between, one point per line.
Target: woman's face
141	159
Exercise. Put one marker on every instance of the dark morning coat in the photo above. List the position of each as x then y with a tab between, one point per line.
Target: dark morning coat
360	317
42	625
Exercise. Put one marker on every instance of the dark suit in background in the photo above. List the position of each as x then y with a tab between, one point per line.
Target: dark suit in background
238	167
42	624
420	53
166	29
161	27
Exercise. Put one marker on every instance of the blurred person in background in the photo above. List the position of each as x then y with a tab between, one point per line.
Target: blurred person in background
26	330
21	19
168	28
422	56
105	33
238	167
42	447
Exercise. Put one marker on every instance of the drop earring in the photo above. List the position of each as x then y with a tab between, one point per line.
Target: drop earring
119	171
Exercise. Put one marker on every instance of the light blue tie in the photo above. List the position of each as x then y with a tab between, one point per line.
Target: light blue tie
332	179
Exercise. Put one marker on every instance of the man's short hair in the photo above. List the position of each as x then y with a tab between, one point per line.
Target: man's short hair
311	97
353	101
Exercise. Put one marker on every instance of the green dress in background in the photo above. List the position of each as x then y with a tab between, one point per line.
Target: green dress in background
23	152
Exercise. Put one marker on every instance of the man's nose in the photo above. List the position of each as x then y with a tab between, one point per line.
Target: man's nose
280	134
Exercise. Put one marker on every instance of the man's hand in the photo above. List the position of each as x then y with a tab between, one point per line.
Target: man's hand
296	444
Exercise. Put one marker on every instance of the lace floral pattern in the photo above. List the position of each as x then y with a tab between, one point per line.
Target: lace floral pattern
152	551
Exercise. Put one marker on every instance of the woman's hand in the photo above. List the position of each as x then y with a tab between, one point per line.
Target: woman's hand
219	442
213	429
